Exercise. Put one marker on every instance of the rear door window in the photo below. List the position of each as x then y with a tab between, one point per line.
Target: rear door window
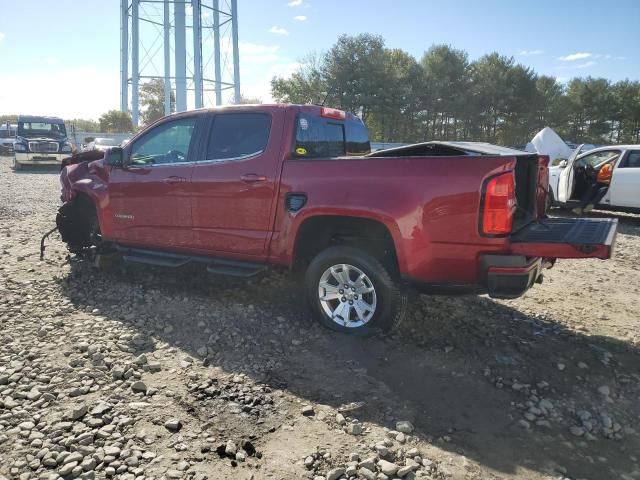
235	136
632	160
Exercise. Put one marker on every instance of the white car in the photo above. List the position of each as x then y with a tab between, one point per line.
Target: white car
102	144
568	180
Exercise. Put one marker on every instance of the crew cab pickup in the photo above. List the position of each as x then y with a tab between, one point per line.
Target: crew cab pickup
241	188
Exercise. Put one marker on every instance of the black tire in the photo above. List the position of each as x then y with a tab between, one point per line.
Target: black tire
17	166
78	224
391	295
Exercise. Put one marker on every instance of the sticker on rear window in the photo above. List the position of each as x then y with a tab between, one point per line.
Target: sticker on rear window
304	124
301	151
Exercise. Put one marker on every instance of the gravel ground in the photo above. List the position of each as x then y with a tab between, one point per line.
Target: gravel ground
140	373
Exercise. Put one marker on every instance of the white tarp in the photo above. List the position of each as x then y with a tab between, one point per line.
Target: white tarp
548	142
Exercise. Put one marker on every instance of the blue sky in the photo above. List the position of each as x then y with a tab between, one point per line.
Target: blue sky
62	57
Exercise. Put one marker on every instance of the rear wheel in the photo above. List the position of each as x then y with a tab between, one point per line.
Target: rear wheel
350	291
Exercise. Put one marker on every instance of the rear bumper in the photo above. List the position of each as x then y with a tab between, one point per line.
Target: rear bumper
510	276
501	276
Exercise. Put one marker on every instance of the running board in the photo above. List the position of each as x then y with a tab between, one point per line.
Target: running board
160	259
217	266
235	269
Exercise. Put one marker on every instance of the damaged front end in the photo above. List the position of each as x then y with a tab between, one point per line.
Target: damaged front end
78	227
77	219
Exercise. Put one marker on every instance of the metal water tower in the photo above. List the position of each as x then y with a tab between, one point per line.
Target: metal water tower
191	45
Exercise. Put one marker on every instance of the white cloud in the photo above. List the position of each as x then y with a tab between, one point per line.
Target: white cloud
278	31
295	3
256	48
621	58
249	52
300	18
262	58
530	52
257	80
84	92
1	37
51	60
586	64
575	56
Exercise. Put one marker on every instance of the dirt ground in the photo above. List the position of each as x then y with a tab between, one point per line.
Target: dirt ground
141	373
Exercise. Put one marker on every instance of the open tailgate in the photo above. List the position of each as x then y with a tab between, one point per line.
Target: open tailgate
566	238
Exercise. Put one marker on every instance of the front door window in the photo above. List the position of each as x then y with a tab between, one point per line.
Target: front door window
169	143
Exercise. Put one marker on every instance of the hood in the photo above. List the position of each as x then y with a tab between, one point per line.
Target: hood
40	138
548	142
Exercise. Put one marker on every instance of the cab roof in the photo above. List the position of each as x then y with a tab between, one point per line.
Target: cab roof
39	118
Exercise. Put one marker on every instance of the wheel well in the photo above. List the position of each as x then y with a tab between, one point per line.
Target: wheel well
74	221
318	233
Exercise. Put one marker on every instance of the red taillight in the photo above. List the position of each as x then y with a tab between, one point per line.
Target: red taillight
332	113
499	205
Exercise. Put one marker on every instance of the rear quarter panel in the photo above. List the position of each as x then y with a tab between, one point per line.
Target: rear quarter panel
430	205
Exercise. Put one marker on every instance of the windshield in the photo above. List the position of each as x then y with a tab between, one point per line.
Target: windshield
598	158
41	129
109	142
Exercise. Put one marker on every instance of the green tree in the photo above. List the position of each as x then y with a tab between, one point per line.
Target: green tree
249	100
591	108
394	117
490	80
83	125
444	96
8	118
551	105
445	90
307	85
152	101
115	121
354	71
626	116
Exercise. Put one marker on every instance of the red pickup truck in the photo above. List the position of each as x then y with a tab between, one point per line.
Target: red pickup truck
245	187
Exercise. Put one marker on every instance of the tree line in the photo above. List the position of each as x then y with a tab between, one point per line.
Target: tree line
444	96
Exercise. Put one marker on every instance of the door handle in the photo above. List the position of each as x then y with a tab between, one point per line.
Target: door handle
253	178
172	180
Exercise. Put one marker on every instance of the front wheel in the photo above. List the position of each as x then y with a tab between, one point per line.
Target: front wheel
16	165
350	291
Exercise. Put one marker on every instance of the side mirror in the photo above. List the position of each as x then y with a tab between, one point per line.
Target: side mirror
563	164
114	157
